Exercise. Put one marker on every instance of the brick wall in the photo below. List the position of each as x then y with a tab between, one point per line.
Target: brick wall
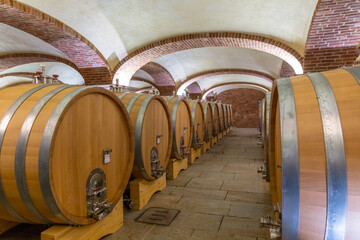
333	36
166	90
245	106
96	76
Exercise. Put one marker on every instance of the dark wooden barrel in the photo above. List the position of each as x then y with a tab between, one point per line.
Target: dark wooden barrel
63	150
314	150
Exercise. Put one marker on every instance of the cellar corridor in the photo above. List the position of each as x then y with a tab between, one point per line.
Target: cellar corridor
220	196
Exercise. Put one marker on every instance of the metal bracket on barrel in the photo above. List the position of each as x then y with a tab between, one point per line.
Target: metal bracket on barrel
183	153
155	163
274	226
98	206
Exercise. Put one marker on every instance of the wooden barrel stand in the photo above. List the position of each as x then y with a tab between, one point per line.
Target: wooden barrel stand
205	147
175	166
194	154
89	232
142	190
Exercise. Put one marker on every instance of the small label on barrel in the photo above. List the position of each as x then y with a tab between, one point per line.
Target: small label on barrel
106	158
107	152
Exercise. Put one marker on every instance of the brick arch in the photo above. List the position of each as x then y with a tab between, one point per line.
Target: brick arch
255	85
91	63
15	59
160	74
196	77
137	59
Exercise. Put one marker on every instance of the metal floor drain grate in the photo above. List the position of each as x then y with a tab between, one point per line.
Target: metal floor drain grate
160	216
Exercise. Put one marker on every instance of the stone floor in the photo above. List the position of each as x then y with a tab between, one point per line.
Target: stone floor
220	196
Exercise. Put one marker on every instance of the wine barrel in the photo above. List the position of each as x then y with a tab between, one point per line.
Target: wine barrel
63	149
221	117
226	116
216	118
262	121
209	122
153	134
198	123
231	115
181	127
314	154
266	135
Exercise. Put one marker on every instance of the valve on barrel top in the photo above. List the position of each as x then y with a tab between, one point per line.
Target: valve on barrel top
116	87
198	142
41	77
98	206
183	152
156	170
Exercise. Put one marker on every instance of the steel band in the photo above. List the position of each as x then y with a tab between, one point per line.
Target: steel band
3	127
355	71
20	153
290	160
336	170
138	133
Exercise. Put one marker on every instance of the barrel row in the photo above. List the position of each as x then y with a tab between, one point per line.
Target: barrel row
312	153
58	142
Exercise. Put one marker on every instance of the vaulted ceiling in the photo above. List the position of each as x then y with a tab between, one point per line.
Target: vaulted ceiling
158	43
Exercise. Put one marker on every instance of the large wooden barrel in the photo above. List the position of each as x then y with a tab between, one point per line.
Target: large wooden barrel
63	150
221	117
209	122
315	154
228	116
198	123
226	109
266	135
181	126
216	118
231	115
153	133
262	120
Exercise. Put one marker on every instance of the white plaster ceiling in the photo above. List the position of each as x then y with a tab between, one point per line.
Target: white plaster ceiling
117	27
144	75
139	84
234	86
67	74
12	80
185	63
208	82
13	40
